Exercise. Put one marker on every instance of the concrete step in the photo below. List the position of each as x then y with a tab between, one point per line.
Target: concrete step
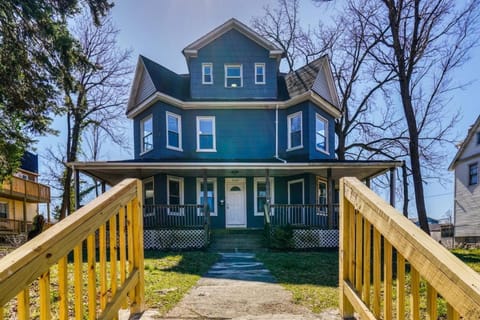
237	240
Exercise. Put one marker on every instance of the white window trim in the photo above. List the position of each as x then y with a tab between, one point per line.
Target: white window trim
303	189
142	137
209	64
179	119
323	180
325	121
180	181
241	74
289	129
272	193
214	149
215	195
255	72
145	181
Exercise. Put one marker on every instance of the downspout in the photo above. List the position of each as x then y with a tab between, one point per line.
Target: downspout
276	136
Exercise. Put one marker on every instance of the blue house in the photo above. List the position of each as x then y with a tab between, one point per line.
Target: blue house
216	145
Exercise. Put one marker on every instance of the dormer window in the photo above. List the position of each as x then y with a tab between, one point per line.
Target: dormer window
233	75
207	73
259	73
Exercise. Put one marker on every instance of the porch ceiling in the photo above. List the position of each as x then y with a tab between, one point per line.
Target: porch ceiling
114	172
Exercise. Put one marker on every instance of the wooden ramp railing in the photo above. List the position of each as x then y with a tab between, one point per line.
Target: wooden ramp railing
390	269
51	278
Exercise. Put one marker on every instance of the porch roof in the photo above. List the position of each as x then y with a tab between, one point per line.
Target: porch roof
113	172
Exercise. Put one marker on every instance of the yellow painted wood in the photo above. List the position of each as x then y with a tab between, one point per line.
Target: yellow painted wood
27	263
377	273
92	281
351	244
23	304
139	305
415	294
367	255
1	313
358	252
387	281
432	313
63	288
346	308
113	254
103	266
400	287
111	310
44	288
357	303
453	280
122	247
451	313
78	280
130	246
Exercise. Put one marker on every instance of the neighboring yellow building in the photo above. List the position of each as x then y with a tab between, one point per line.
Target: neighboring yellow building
20	197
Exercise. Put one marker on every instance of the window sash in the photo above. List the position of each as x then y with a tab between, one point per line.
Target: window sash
206	134
233	76
260	194
175	195
259	73
295	131
473	174
207	73
321	133
211	195
146	129
174	131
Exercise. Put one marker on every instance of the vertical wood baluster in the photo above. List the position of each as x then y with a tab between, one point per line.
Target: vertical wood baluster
415	294
377	247
367	247
92	284
400	287
23	304
387	282
103	266
358	252
63	288
78	280
44	288
432	313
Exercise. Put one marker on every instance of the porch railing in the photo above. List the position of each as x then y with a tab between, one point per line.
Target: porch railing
21	188
385	260
109	232
304	215
173	216
12	226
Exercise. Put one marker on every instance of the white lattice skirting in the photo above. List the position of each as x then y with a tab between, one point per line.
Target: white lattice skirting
315	238
174	239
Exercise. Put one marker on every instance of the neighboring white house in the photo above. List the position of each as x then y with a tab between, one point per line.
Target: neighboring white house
467	187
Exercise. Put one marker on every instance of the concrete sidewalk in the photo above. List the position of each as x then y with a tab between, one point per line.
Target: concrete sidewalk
239	287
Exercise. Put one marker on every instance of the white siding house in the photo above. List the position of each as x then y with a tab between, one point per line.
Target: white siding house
467	187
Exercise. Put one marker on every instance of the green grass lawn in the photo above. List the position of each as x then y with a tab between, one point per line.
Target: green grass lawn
312	277
168	276
470	256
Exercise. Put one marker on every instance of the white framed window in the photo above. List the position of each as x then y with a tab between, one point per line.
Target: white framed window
207	73
321	133
211	195
295	131
233	76
174	131
260	194
146	134
175	195
4	210
206	134
149	196
259	73
473	174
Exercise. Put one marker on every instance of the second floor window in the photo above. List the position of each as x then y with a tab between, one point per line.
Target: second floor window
206	134
321	136
207	73
3	210
259	73
174	131
295	139
146	129
233	75
473	174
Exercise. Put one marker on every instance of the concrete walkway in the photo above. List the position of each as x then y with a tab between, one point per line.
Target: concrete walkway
239	287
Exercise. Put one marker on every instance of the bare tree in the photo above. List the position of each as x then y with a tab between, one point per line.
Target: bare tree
97	95
425	42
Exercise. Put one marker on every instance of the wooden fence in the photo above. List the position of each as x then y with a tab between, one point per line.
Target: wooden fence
21	188
391	269
109	233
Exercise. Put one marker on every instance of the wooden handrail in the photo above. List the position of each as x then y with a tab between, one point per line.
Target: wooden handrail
35	259
368	222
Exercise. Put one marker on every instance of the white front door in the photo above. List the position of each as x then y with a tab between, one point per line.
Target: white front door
235	203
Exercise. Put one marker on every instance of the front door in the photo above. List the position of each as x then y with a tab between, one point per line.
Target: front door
235	204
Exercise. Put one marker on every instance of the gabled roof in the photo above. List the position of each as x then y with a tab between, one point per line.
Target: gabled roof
315	76
471	133
163	79
192	49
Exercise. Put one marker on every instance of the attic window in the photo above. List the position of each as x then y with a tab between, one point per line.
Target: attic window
233	76
207	76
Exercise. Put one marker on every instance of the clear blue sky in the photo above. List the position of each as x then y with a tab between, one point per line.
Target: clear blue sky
160	29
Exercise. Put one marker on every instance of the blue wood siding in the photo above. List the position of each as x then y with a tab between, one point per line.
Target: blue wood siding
233	48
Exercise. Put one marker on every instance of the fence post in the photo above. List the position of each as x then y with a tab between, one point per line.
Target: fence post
138	255
346	308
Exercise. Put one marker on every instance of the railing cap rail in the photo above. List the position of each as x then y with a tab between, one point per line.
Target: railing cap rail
453	279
